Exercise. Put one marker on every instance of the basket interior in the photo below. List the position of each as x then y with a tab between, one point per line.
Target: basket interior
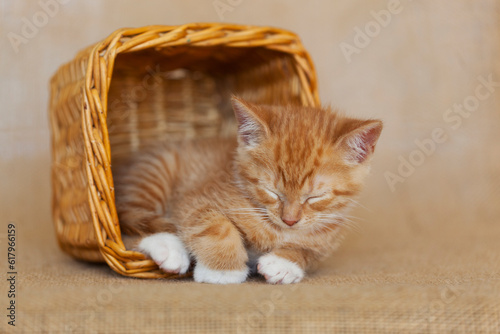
184	92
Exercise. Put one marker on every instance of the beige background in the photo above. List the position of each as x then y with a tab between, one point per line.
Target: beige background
436	232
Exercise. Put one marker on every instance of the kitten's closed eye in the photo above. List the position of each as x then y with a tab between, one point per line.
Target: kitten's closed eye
316	198
272	194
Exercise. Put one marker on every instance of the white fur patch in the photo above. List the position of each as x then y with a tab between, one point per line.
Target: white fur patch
203	274
278	270
168	251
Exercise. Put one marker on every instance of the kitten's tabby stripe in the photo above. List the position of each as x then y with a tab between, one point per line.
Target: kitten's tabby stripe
149	188
146	193
134	203
155	186
343	192
305	178
159	170
213	231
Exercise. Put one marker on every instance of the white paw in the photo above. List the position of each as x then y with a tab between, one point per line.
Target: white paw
203	274
168	251
278	270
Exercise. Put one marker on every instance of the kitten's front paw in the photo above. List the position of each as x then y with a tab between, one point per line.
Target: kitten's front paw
278	270
203	274
168	251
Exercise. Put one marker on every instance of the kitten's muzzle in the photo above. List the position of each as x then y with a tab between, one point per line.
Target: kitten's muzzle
292	212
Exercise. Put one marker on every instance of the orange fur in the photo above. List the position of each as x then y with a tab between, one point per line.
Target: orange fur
289	165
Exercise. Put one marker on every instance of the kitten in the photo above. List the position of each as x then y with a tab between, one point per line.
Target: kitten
272	199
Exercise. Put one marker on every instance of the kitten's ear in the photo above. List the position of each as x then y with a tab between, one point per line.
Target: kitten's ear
359	143
251	125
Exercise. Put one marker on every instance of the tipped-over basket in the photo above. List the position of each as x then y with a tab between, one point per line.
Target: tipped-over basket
147	84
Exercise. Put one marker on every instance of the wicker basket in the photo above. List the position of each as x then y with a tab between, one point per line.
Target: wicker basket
147	84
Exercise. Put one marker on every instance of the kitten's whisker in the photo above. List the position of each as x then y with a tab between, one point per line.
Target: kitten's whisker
354	220
359	204
247	209
340	222
243	210
339	216
350	227
252	214
349	223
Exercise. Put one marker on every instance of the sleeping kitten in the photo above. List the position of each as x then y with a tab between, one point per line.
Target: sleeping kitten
270	200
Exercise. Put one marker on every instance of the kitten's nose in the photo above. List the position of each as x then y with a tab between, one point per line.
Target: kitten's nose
289	222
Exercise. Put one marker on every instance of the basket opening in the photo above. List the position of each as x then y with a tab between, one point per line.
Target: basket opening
183	92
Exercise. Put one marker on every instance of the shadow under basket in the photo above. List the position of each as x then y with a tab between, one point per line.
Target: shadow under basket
142	85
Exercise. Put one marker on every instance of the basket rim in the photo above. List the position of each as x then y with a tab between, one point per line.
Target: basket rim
100	59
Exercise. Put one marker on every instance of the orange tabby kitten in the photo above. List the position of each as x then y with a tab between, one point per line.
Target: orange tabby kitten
272	199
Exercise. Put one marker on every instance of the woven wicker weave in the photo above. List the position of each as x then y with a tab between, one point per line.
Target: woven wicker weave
147	84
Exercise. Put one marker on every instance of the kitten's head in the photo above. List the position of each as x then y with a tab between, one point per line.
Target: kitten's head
302	165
